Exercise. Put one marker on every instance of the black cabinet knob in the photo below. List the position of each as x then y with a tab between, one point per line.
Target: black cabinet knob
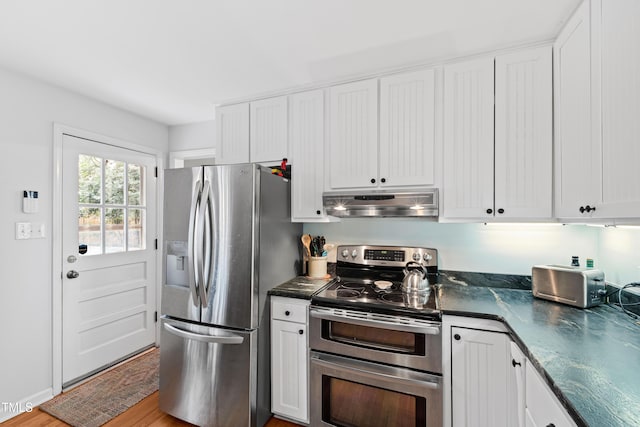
582	209
489	211
514	363
456	337
301	332
373	180
383	180
286	313
551	425
500	211
318	212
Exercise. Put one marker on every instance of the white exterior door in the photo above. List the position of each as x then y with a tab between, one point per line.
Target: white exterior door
353	138
523	134
468	139
109	261
407	126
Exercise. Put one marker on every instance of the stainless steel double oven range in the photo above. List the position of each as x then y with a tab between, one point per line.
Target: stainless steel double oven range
376	357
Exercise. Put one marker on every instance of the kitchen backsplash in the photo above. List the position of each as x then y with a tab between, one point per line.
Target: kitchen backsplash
510	249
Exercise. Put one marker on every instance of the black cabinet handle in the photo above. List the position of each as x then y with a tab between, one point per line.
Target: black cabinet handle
456	337
318	212
581	209
489	211
551	425
514	363
301	332
286	313
500	211
587	209
383	180
373	180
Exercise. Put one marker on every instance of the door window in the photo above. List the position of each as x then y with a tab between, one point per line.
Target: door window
112	206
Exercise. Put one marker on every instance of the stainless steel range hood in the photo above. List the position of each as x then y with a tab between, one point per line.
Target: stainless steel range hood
381	204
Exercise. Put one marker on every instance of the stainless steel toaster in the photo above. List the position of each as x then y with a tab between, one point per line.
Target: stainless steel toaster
575	286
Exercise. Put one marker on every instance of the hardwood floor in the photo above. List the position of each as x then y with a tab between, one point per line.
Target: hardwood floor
144	413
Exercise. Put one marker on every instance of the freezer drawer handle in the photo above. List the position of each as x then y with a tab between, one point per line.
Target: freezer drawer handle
204	338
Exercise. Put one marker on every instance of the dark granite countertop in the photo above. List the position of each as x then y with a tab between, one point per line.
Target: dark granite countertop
589	357
300	287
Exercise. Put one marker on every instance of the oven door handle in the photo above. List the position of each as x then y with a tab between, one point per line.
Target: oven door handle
428	330
374	371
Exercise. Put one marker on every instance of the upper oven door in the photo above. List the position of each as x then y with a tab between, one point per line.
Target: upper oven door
395	340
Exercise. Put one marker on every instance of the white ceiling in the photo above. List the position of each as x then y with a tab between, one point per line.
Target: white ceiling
173	60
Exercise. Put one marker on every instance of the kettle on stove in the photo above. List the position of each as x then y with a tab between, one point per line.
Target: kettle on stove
415	278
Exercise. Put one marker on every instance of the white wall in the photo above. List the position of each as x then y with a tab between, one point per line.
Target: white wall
28	109
619	255
192	136
492	248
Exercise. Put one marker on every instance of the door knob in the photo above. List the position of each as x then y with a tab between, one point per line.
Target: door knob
72	274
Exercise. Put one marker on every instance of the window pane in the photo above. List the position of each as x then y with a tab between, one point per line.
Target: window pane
89	232
136	229
135	184
114	230
89	174
113	182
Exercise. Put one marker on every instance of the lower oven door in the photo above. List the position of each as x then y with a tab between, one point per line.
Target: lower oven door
395	340
349	392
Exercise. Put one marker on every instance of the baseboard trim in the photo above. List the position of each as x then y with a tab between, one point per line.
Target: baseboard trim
9	410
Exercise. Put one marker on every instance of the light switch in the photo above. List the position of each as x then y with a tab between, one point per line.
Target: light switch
23	230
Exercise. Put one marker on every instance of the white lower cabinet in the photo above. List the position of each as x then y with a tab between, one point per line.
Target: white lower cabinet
479	373
492	383
289	361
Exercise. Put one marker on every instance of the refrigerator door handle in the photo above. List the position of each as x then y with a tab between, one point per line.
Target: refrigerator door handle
213	339
192	242
202	214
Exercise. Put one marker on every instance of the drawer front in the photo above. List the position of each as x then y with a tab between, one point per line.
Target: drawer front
289	310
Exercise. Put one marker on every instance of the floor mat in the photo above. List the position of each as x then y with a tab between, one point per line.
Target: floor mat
108	395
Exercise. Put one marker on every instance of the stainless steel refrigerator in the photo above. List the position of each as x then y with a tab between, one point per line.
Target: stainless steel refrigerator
228	239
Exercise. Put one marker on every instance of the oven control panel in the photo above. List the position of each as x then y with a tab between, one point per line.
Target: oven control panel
392	256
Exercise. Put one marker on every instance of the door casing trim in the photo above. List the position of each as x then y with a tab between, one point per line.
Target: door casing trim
59	130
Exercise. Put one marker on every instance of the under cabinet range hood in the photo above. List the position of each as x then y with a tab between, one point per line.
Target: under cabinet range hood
353	204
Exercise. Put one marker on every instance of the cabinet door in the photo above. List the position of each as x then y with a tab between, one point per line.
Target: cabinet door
307	151
289	370
577	150
517	398
232	124
543	407
479	371
407	147
618	34
468	139
353	143
524	134
269	130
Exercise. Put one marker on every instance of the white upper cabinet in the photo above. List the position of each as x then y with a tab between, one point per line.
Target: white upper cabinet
407	140
597	63
524	134
616	44
468	139
269	130
353	135
306	156
232	132
577	155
